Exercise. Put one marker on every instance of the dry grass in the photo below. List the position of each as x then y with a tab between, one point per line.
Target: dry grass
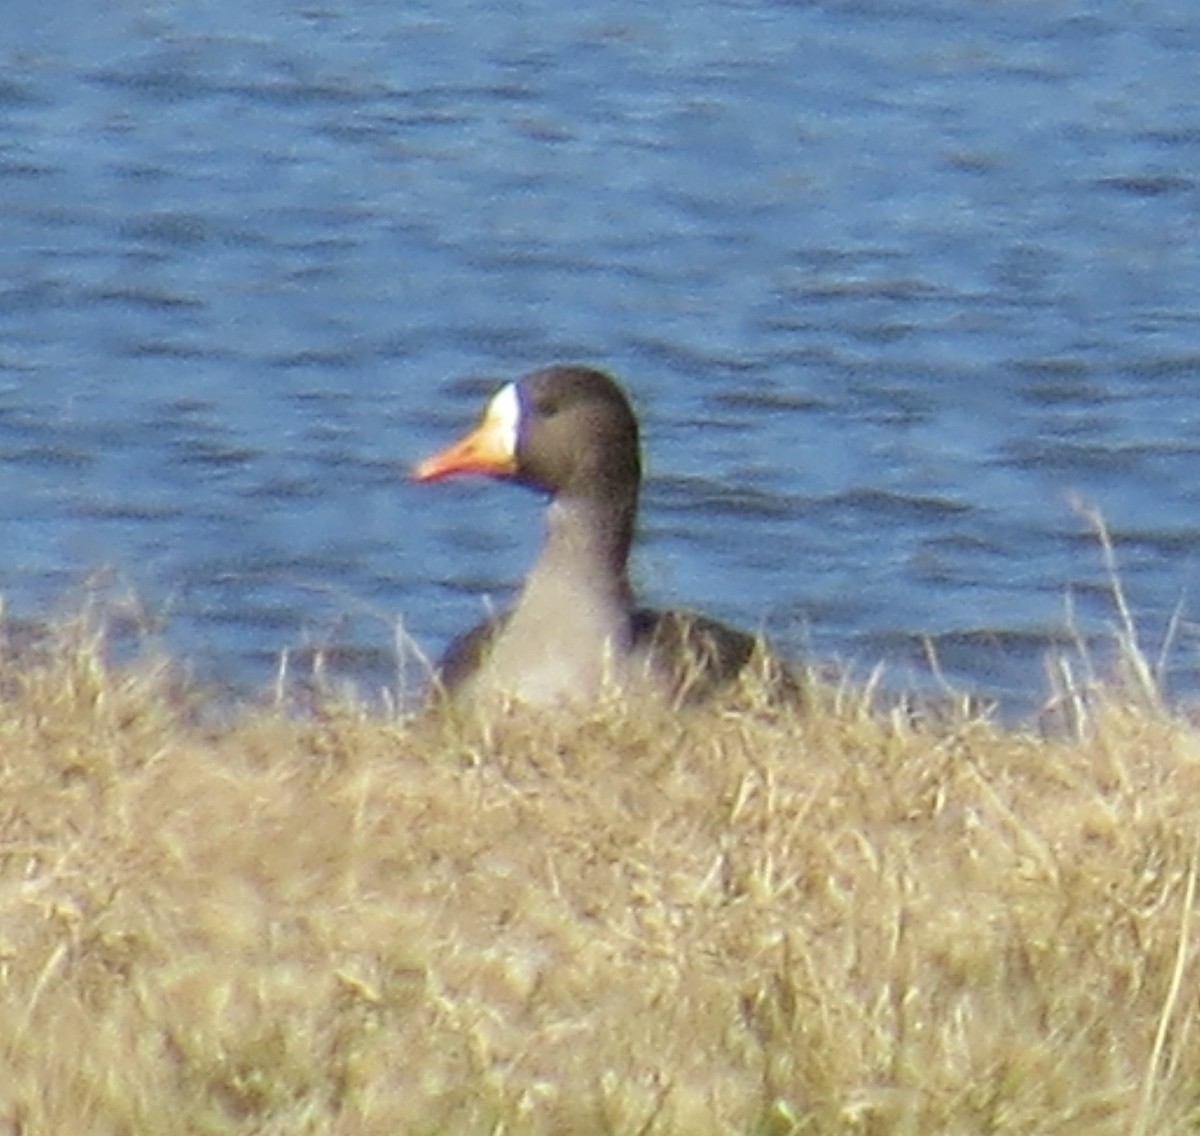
734	921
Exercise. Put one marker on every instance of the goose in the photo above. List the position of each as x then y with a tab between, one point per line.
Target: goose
575	630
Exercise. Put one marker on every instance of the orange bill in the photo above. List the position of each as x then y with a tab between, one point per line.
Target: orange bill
484	450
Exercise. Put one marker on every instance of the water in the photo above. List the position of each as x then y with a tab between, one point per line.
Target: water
890	282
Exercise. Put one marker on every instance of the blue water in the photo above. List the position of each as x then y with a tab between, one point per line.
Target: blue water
891	284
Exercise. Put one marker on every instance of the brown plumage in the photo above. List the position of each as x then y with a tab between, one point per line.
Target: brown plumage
575	631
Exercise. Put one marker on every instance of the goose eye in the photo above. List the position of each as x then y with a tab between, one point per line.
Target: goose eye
548	407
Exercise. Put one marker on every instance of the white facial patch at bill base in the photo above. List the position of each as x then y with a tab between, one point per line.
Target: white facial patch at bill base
502	419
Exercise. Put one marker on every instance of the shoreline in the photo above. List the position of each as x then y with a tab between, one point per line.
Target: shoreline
742	919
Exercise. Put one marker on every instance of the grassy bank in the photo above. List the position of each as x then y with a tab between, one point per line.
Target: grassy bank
737	921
